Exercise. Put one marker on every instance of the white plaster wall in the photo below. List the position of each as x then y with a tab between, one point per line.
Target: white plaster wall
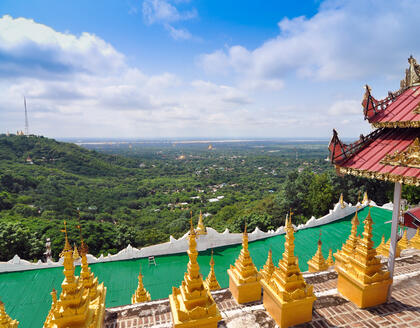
213	239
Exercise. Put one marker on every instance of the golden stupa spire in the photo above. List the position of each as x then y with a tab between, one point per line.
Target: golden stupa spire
5	320
76	255
403	243
349	246
141	294
287	289
201	229
330	259
317	262
211	282
415	240
365	198
361	278
192	305
244	277
88	279
342	201
75	308
267	271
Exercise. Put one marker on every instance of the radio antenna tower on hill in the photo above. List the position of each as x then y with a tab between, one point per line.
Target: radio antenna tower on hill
26	117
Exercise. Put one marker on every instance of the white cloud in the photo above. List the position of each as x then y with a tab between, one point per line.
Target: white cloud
164	13
178	33
344	40
28	48
346	107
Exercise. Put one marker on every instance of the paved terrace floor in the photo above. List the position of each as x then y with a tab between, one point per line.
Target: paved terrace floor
27	294
330	309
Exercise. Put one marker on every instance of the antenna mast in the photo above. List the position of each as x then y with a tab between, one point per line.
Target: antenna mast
26	118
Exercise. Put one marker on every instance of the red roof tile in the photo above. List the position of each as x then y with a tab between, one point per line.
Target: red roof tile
366	160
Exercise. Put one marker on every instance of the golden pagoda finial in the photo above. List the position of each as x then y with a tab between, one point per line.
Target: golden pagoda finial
5	320
141	294
244	277
82	301
365	198
360	275
342	255
286	289
211	282
330	259
67	246
192	304
403	243
342	201
317	262
415	240
201	229
267	271
76	255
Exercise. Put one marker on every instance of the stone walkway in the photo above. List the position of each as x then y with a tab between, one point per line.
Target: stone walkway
330	309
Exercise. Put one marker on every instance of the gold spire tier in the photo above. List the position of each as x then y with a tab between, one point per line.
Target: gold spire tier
415	240
201	229
268	269
317	262
141	295
403	243
383	248
330	259
365	198
76	307
287	297
244	279
342	205
361	278
5	320
349	246
192	305
211	282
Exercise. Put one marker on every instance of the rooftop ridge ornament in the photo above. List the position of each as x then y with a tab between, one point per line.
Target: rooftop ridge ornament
412	74
410	157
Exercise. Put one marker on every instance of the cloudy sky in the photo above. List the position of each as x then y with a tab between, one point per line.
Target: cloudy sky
197	68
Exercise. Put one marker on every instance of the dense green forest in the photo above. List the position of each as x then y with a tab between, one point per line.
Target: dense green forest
141	193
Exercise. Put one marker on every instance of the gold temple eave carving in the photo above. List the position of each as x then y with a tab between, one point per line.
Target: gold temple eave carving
409	180
410	157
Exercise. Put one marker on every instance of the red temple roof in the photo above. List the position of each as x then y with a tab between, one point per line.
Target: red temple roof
400	108
391	152
397	110
412	218
386	154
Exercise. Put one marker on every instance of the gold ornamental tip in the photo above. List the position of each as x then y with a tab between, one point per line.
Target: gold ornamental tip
67	246
211	259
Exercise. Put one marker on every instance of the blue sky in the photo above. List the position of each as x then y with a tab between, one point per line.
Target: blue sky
195	68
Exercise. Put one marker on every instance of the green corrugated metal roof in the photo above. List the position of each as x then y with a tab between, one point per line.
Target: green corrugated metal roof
26	294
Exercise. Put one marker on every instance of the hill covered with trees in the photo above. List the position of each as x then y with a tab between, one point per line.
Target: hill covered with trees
140	194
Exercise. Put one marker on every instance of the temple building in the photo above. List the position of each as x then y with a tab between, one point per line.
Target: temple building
392	151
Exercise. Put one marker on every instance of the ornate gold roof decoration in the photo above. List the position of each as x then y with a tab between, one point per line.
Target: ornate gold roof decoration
409	157
397	124
412	74
417	109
